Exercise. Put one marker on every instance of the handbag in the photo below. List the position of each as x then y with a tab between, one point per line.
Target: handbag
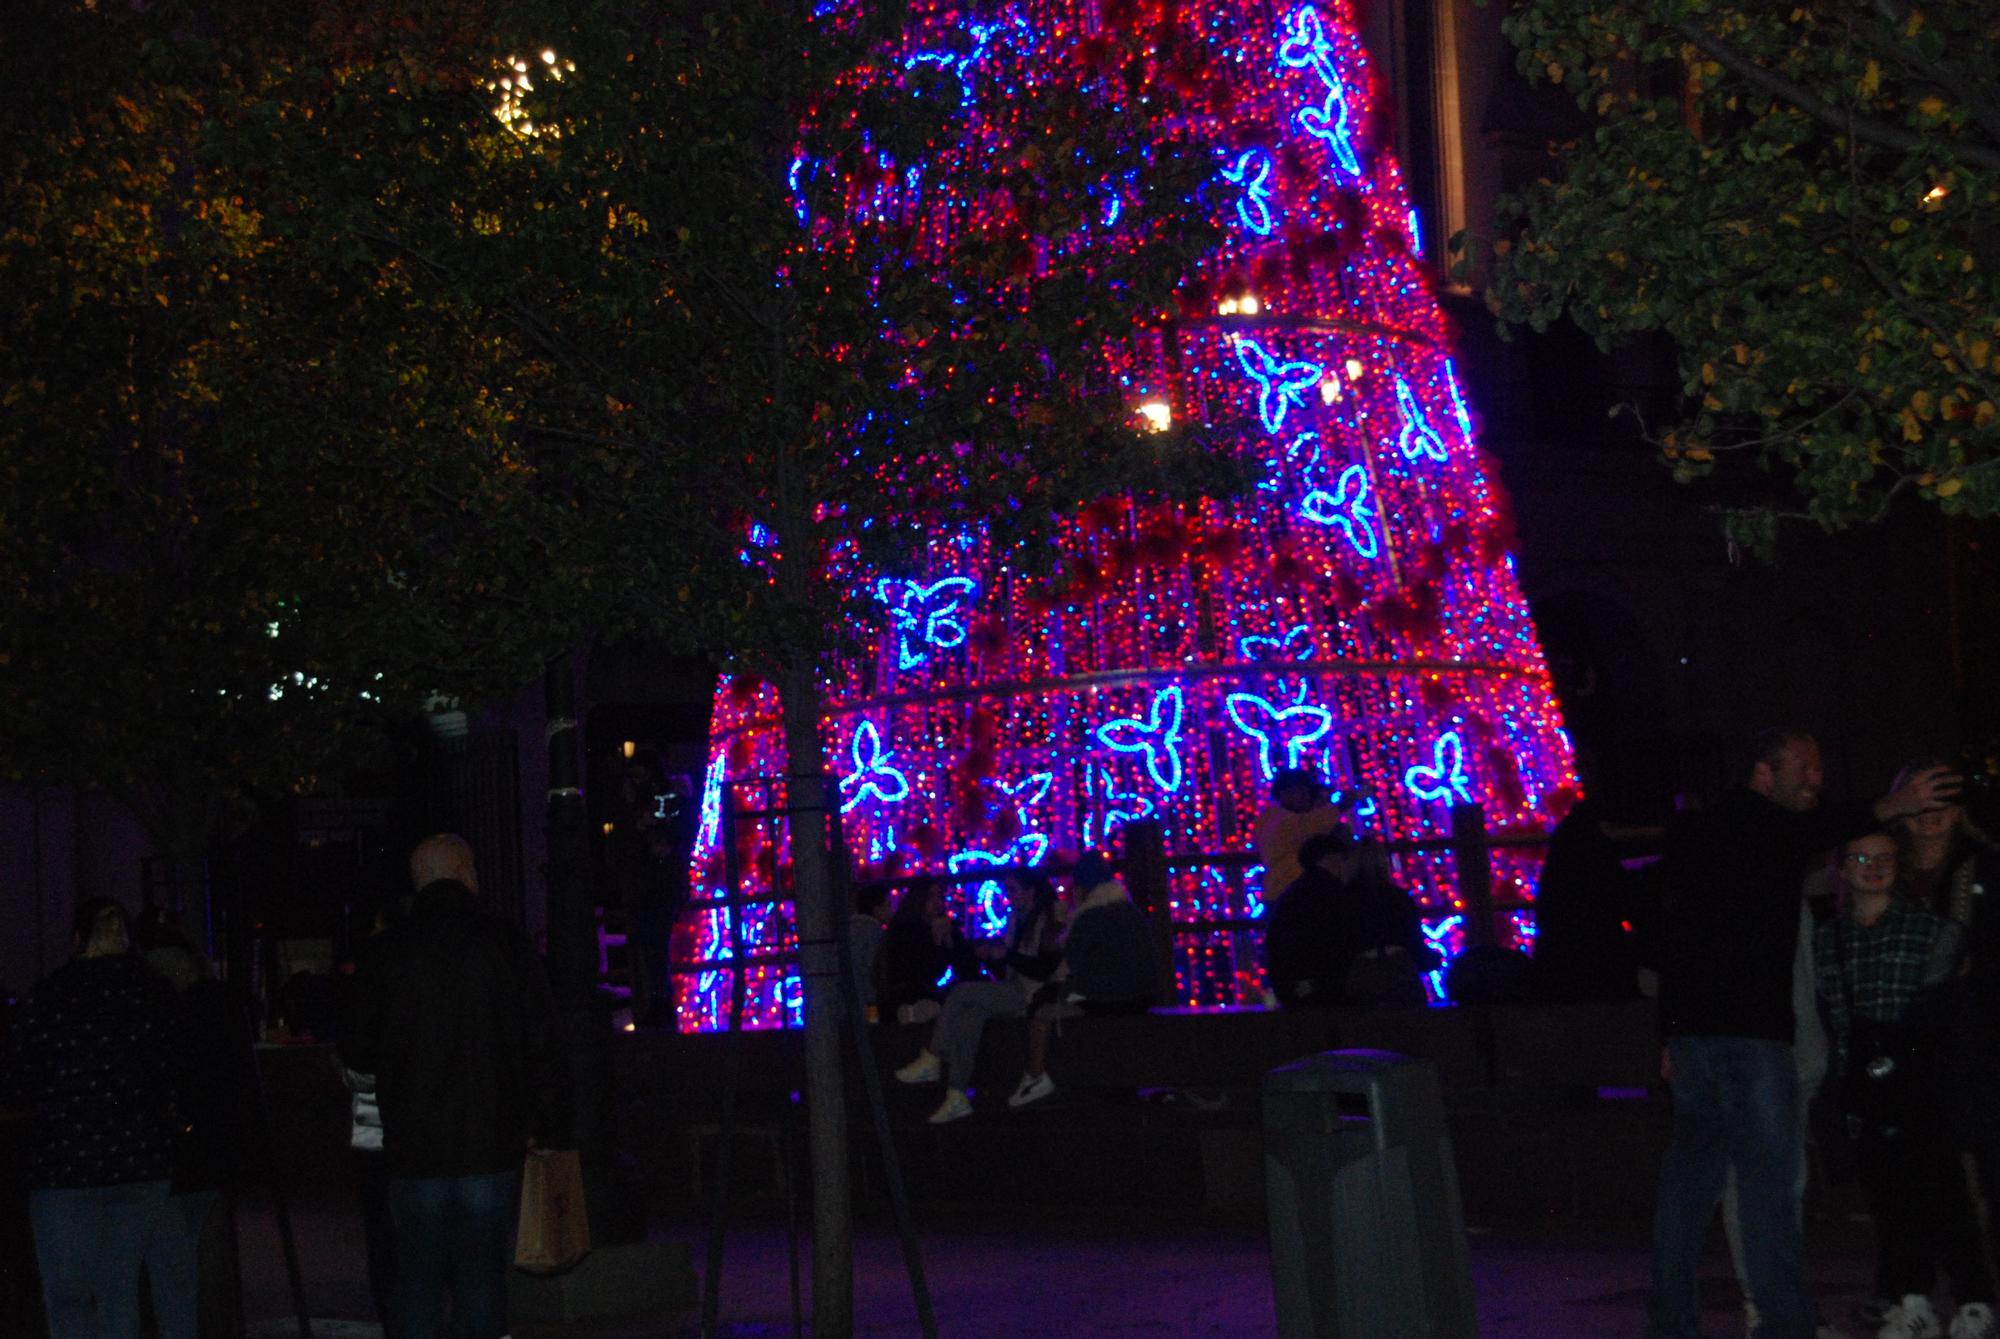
553	1233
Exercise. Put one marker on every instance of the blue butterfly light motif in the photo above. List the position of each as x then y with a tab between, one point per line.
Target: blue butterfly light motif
926	616
1295	644
1280	384
1305	447
961	63
1418	437
1307	48
1286	731
872	775
990	898
1158	737
1445	777
1347	508
1026	793
1252	171
1120	807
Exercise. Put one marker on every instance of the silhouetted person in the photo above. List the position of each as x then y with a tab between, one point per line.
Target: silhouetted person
1298	811
864	937
1582	949
1735	882
93	1053
1304	960
452	1019
922	952
1109	966
192	1259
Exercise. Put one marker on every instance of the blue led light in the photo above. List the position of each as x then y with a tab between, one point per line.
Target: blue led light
1348	508
1416	232
795	179
1280	384
1418	437
1028	792
1295	644
1305	446
1445	776
1458	408
1439	935
1158	737
925	616
1252	171
872	774
960	63
1120	807
1286	730
990	898
709	830
1307	48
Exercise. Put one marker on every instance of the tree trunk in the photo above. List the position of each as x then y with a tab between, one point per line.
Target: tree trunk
819	968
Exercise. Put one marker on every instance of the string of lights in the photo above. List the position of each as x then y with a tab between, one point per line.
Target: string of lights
1356	612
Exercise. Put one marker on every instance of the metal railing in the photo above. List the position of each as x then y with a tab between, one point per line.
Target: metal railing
1148	872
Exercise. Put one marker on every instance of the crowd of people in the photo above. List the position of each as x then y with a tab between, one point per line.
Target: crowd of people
1831	977
133	1064
1828	981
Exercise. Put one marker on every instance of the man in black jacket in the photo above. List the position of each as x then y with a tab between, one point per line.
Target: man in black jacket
1735	878
451	1015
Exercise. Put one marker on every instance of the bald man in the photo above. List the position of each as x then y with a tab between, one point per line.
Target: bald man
451	1015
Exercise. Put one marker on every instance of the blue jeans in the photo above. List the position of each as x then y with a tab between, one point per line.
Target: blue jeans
1736	1103
88	1241
452	1242
173	1262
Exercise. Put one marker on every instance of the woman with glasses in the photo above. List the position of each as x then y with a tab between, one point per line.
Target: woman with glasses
1950	867
1876	958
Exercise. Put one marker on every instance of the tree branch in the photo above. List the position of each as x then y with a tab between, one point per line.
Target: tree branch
1984	107
1879	133
1921	313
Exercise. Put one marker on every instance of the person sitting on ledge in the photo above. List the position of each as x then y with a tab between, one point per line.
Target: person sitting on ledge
1109	966
1303	960
1032	949
922	952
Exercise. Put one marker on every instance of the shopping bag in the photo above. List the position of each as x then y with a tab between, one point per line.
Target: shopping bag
554	1231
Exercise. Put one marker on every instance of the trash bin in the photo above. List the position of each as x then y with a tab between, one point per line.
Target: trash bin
1367	1232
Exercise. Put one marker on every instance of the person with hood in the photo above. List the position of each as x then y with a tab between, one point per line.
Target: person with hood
1109	966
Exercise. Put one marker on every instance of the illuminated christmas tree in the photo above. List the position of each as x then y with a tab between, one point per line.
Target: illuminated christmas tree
1354	611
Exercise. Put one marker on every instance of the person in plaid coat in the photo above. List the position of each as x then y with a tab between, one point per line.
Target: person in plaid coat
1876	957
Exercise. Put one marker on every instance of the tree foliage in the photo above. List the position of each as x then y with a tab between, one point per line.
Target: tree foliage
264	485
1802	196
358	352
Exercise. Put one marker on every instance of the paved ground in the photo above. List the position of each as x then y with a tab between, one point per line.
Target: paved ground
1117	1279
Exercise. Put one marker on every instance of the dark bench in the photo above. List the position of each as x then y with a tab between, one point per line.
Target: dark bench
1549	1105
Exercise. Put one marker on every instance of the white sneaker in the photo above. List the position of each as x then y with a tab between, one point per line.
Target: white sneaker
956	1106
926	1068
1911	1318
1975	1320
1032	1090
